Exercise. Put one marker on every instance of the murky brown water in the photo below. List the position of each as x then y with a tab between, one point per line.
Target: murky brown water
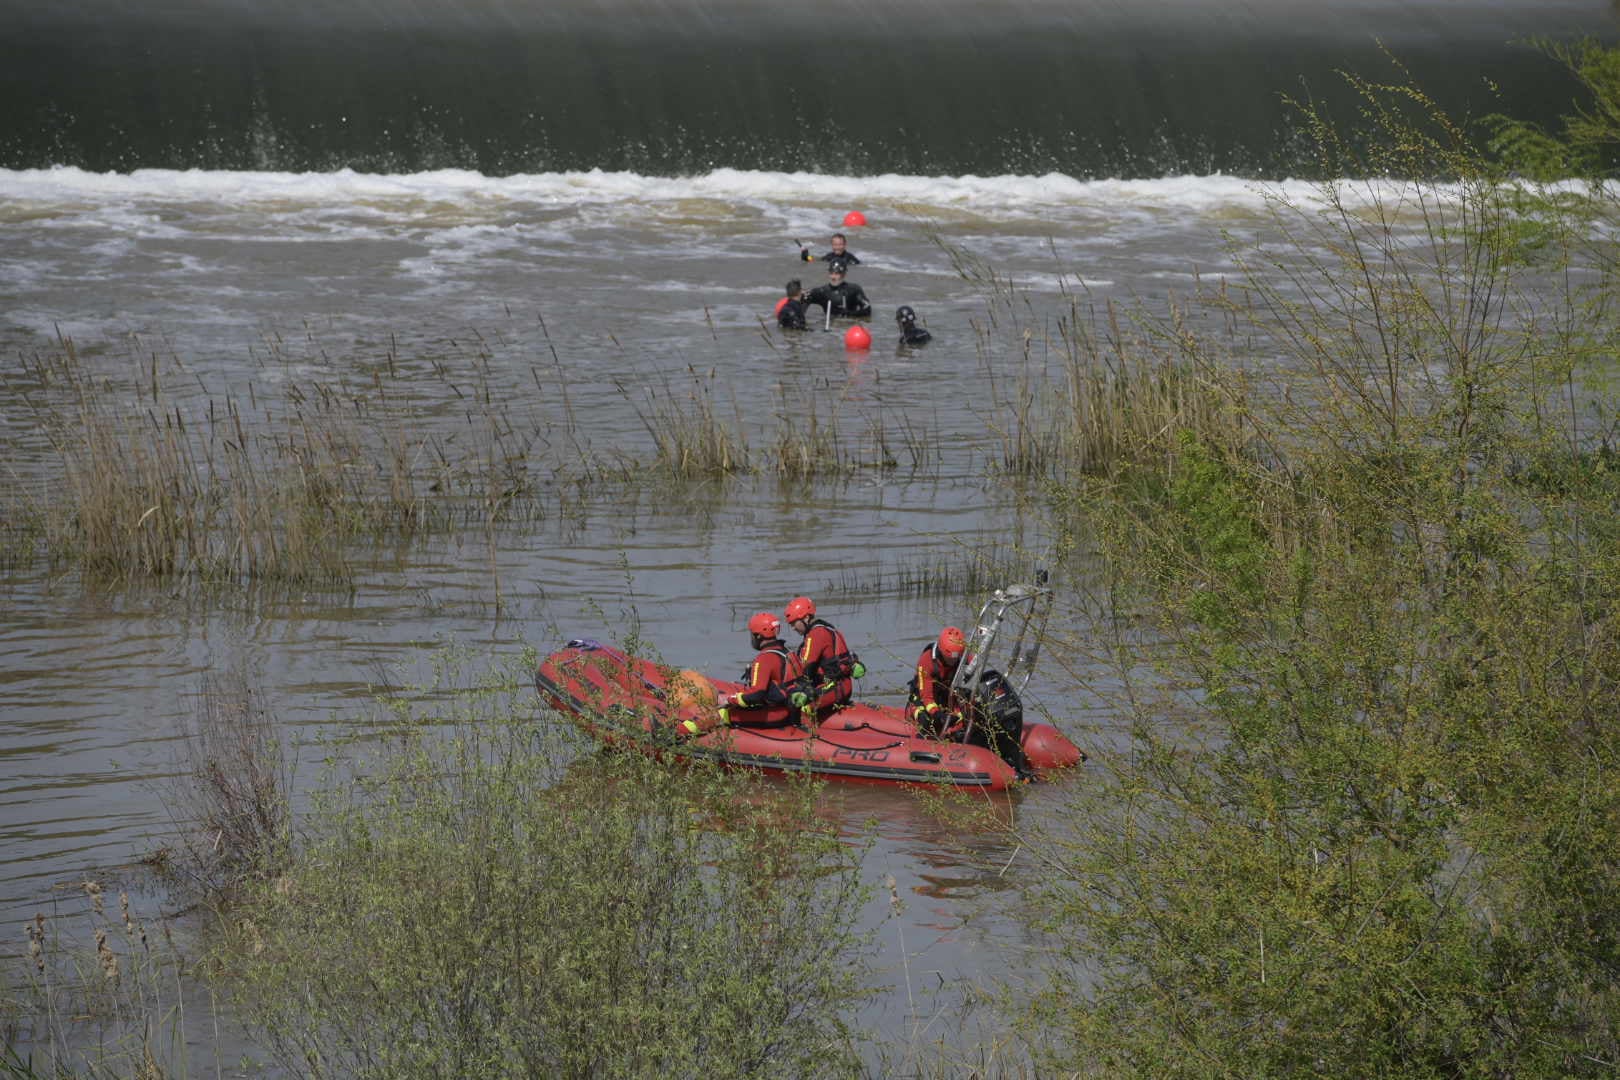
578	305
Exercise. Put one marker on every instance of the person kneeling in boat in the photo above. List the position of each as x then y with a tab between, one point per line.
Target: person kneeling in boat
830	669
928	698
997	724
772	679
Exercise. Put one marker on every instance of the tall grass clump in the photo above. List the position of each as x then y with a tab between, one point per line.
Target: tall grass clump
1369	817
95	989
146	480
697	437
1133	388
230	800
691	439
475	902
807	444
1100	389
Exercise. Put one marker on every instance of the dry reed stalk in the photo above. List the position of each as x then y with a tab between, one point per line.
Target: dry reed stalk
692	443
167	492
1127	399
36	942
107	958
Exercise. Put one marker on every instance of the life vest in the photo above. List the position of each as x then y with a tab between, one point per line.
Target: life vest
834	667
778	691
939	672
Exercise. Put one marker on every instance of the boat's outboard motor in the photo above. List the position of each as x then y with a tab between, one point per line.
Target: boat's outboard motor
998	721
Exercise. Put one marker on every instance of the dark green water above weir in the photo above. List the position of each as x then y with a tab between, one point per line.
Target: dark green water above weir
1090	88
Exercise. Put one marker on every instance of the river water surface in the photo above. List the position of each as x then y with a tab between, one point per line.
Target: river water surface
582	284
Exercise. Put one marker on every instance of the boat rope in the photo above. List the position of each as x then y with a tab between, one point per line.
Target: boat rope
772	738
809	736
846	746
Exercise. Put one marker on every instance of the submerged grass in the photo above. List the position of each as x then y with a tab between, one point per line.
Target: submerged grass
695	436
143	474
1095	389
691	440
964	572
149	482
474	899
100	991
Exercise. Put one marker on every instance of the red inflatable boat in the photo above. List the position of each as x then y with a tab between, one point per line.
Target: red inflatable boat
626	701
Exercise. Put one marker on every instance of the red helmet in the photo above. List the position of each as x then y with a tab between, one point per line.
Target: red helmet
800	607
764	624
952	642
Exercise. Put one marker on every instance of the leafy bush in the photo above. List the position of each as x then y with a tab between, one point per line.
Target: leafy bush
1369	819
470	910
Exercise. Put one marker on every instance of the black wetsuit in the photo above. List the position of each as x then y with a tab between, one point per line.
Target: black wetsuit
913	334
846	299
846	255
791	317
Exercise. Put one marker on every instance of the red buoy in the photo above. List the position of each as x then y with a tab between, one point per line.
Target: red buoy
856	337
854	217
781	300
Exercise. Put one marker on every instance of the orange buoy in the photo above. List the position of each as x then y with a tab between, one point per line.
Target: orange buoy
854	217
857	337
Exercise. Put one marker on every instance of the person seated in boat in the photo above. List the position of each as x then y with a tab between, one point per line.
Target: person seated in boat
771	679
939	717
910	332
842	298
790	313
830	669
839	251
928	698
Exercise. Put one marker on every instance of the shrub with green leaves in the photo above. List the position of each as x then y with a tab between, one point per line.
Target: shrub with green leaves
473	910
1369	823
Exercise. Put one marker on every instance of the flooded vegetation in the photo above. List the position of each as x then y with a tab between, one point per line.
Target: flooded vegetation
1329	520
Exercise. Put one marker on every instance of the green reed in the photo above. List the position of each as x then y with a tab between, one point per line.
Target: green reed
697	434
149	481
1095	389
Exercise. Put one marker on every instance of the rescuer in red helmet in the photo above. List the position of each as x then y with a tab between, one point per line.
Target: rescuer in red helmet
830	669
771	680
999	725
928	698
